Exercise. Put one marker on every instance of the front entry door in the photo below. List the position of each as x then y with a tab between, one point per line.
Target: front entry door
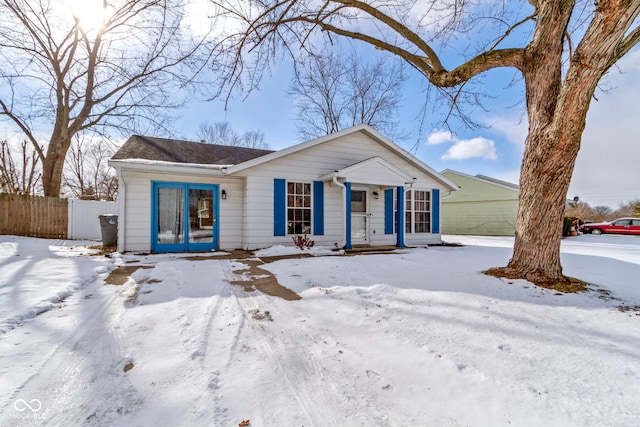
184	217
359	233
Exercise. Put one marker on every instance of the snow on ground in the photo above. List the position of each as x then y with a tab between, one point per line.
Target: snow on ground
417	337
27	264
280	250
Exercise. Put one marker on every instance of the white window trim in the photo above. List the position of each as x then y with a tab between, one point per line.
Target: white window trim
412	211
310	184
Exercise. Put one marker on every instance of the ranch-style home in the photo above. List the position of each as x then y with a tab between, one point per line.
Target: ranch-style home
347	189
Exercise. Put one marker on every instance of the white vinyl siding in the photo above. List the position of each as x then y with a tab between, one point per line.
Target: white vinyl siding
308	165
137	209
247	215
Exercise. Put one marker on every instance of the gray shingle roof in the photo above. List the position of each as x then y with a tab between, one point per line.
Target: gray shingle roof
177	151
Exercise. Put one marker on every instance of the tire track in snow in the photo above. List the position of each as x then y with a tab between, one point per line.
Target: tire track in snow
341	393
311	381
250	302
199	325
77	375
46	304
247	302
221	316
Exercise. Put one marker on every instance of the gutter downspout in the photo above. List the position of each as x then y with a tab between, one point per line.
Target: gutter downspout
410	185
344	206
449	194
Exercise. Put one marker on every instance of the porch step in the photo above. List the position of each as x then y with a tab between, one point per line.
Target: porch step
369	249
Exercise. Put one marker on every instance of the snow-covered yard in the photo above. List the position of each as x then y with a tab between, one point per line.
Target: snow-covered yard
415	338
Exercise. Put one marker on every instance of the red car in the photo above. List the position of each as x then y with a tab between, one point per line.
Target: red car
618	226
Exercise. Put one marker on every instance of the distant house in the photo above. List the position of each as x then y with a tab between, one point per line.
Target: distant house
482	206
354	187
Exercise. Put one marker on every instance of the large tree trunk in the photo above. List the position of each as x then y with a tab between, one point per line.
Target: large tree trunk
549	157
557	117
550	154
53	165
544	182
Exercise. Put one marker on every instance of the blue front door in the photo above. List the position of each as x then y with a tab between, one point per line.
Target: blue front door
184	217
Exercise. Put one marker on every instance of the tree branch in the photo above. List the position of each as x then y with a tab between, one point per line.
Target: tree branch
625	46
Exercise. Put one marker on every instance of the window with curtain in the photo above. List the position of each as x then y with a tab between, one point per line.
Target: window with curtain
298	208
417	211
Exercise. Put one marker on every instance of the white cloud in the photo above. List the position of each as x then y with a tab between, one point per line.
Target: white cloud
513	128
470	148
463	149
440	137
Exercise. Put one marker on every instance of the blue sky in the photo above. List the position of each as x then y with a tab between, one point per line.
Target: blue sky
606	171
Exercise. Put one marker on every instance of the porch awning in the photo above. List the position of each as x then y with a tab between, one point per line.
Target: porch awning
373	171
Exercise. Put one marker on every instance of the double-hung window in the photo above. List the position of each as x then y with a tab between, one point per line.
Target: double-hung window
417	211
298	208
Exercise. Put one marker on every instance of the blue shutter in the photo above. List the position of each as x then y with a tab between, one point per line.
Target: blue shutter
400	218
388	211
279	207
318	208
435	211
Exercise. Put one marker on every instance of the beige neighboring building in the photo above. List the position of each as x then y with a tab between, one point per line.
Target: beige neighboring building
482	206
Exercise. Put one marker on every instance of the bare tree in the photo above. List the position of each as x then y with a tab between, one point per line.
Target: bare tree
19	173
601	212
120	64
580	210
254	139
627	209
87	174
336	91
560	48
223	134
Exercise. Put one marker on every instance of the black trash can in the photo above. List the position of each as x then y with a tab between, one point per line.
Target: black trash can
109	229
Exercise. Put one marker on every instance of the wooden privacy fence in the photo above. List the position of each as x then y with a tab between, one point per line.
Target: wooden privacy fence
34	216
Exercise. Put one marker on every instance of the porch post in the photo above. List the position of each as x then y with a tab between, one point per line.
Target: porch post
400	217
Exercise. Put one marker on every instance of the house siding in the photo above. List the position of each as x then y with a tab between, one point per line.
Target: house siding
309	164
485	218
479	208
137	209
246	217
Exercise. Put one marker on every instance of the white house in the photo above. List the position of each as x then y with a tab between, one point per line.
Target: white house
354	187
